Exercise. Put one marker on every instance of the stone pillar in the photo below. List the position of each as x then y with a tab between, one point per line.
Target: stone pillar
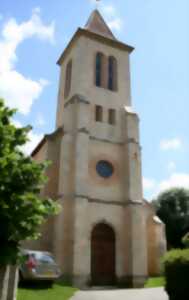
133	154
137	244
73	187
161	244
63	241
81	262
82	148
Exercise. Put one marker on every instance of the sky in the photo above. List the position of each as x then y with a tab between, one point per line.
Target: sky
33	34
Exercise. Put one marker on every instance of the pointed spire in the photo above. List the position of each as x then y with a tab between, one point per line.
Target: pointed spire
97	25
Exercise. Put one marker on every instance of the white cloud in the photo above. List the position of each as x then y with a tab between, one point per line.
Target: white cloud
171	166
175	180
20	91
40	121
148	183
34	139
16	123
171	144
36	10
109	10
115	24
110	13
93	1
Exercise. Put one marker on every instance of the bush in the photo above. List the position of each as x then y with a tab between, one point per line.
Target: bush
176	268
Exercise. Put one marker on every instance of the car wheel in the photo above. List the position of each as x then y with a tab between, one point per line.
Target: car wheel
20	278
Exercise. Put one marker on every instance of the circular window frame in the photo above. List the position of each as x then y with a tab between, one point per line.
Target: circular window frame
104	169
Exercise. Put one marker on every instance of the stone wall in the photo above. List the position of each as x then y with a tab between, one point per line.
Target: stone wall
156	241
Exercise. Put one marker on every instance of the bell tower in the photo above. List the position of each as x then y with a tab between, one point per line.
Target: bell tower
100	235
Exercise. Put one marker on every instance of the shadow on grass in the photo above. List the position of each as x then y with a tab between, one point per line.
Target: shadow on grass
63	284
37	285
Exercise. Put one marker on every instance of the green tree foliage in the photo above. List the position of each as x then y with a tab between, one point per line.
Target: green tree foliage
176	269
22	209
185	240
172	207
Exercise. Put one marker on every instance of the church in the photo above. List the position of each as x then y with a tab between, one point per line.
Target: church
106	233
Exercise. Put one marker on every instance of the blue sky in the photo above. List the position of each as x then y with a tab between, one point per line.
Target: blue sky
33	34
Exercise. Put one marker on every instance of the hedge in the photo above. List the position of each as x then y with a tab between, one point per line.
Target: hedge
176	268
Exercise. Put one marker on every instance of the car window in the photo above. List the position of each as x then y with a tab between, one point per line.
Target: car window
44	258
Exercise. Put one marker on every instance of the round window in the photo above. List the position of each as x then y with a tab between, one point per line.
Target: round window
104	169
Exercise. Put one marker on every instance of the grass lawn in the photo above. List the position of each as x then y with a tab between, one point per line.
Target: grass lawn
155	282
57	292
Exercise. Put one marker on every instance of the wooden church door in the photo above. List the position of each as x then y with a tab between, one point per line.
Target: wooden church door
103	255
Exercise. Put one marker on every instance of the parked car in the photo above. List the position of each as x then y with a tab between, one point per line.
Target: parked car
38	265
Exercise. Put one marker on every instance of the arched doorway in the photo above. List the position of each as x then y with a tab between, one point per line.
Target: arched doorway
103	255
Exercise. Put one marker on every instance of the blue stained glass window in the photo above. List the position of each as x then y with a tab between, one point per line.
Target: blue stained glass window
104	169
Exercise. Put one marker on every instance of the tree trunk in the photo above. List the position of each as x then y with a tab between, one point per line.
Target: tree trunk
13	283
4	281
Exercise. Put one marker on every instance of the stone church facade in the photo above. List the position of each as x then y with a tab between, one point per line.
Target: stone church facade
106	233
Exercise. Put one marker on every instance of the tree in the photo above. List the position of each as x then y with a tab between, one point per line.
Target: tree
185	240
172	207
22	209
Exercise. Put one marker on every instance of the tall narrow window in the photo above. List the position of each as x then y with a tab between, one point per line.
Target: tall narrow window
112	73
98	70
111	116
98	113
68	79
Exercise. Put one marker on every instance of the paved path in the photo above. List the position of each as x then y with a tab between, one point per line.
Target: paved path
134	294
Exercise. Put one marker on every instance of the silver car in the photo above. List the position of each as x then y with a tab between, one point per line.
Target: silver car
38	265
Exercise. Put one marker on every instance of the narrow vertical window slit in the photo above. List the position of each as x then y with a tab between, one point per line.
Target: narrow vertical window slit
98	113
68	78
99	69
112	116
112	73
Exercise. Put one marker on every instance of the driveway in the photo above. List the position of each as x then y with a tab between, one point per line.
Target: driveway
134	294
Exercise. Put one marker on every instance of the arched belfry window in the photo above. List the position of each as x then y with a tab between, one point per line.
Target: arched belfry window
112	73
68	79
99	69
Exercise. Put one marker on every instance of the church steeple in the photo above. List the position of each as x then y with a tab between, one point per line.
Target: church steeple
97	25
96	168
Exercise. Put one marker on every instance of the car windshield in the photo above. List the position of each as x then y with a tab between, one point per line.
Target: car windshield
44	258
